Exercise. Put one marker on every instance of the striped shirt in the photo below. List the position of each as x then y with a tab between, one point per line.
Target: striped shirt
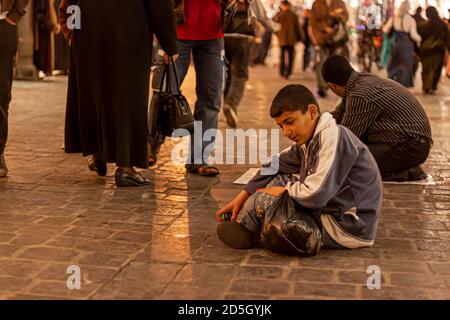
379	110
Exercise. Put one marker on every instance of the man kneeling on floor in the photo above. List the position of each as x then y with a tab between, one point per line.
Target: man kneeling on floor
385	116
329	173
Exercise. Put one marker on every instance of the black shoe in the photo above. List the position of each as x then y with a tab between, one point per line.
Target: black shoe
97	166
400	176
236	235
416	174
3	168
125	179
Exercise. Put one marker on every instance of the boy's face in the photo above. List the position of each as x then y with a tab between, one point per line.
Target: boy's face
297	126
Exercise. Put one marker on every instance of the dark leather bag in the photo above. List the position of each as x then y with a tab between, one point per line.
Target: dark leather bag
290	229
173	110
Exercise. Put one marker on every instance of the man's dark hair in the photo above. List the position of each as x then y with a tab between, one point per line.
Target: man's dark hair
293	97
337	69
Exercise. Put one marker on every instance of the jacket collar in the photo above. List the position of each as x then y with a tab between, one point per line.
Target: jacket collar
326	120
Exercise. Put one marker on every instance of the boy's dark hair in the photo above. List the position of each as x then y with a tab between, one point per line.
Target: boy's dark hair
293	97
337	69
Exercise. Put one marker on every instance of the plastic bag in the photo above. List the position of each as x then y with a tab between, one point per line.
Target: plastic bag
290	229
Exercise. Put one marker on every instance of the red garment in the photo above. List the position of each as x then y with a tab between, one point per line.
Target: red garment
202	20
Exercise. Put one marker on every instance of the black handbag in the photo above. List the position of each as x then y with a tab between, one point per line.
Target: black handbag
289	228
173	110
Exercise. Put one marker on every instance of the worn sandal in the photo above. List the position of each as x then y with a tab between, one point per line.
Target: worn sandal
203	170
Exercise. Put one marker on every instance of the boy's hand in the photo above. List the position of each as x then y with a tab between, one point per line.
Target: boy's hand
274	191
234	206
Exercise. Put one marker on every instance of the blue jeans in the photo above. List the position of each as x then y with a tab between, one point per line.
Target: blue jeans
209	69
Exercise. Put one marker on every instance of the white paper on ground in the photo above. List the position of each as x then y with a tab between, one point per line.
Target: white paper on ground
247	176
426	182
250	173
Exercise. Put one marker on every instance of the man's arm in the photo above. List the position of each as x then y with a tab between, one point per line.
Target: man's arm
63	16
18	10
261	14
289	162
359	115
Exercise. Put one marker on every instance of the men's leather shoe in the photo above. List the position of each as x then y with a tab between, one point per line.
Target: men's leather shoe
3	168
97	166
125	179
417	173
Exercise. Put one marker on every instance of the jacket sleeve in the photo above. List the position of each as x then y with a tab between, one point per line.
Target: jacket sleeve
289	162
162	22
18	10
336	157
261	14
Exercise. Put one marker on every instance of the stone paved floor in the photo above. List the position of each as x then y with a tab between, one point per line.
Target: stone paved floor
159	242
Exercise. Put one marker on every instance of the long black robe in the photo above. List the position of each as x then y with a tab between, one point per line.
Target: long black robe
432	58
109	79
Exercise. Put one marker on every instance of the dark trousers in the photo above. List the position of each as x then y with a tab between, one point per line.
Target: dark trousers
260	56
8	41
237	52
396	159
286	60
307	55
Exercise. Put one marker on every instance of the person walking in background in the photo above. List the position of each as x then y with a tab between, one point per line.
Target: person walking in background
200	36
308	49
237	52
106	114
45	27
11	11
434	33
401	63
322	20
260	56
62	49
288	36
419	20
385	116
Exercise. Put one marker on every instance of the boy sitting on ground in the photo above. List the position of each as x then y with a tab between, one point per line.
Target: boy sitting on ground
329	173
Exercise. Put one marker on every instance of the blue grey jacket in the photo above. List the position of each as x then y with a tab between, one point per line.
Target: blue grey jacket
338	177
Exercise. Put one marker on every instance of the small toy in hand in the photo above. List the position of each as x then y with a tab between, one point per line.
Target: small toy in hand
226	216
